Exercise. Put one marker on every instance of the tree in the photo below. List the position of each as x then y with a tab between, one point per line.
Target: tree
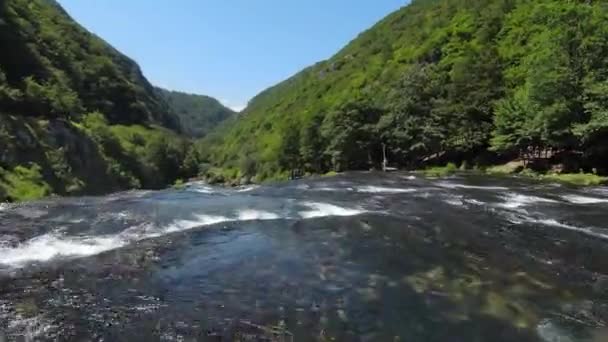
248	166
166	156
409	128
312	144
547	73
289	151
352	136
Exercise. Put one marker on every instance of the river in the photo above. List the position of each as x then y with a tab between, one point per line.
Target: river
356	257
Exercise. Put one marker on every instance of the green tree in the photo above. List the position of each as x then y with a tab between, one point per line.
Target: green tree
352	137
166	156
312	145
289	151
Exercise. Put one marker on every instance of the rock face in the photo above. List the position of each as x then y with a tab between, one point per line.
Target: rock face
70	161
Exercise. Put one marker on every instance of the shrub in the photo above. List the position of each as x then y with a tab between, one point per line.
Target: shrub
581	179
506	169
441	171
23	183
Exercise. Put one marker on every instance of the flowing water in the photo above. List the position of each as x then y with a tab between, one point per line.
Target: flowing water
358	257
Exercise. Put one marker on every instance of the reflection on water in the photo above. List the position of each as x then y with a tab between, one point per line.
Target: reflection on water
360	257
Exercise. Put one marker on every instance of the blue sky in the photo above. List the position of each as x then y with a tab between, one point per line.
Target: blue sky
228	49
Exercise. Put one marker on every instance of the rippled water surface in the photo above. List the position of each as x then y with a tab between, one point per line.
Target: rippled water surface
358	257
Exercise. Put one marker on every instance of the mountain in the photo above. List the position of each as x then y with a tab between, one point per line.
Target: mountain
198	114
436	81
76	115
55	68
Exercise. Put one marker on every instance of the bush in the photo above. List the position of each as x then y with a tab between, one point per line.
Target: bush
179	184
441	171
214	176
580	179
248	166
506	169
529	173
23	183
330	174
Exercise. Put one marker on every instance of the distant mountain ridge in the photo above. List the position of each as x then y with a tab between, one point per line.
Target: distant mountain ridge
198	114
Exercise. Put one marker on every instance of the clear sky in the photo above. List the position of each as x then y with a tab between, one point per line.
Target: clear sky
228	49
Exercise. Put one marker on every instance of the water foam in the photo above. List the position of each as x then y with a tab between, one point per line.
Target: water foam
449	185
577	199
252	215
198	221
248	188
598	191
550	332
515	201
587	231
454	200
370	189
49	246
32	328
123	215
203	189
461	201
474	201
53	245
380	189
202	221
330	189
46	247
326	209
590	231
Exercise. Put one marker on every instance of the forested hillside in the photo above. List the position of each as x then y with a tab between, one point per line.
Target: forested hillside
437	81
476	81
76	116
198	114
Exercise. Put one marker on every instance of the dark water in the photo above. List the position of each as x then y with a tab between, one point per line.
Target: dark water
358	257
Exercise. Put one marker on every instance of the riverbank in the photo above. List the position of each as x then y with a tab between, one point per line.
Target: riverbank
232	178
518	169
91	156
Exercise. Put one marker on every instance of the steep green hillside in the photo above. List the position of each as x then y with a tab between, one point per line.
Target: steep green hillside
50	66
76	116
437	81
198	114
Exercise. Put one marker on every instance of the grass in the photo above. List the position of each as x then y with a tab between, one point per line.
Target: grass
179	184
516	167
580	179
441	171
24	184
577	179
330	174
505	169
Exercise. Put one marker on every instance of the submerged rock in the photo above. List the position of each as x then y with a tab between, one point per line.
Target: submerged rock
247	331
